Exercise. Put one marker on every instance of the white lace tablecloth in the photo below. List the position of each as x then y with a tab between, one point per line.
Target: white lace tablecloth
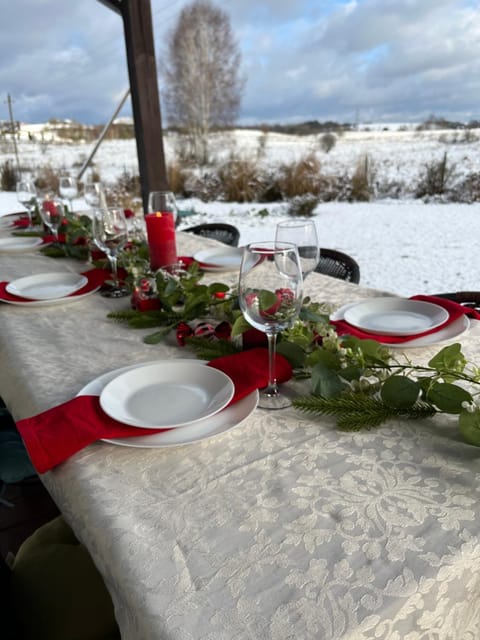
282	528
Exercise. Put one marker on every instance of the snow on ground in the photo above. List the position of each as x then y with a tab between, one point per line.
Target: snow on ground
402	246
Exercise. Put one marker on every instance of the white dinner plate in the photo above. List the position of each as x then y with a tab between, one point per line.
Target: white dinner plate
18	243
8	221
52	302
448	333
395	316
46	286
221	422
219	259
166	395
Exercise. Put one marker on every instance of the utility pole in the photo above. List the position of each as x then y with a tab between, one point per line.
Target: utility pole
12	131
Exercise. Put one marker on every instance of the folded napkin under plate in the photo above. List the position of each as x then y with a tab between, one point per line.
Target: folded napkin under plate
95	279
53	436
455	311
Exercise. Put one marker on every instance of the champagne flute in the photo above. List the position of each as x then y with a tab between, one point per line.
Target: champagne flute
270	297
27	195
68	189
109	227
52	213
162	202
303	233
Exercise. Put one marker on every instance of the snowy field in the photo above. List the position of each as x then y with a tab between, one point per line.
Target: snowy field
403	246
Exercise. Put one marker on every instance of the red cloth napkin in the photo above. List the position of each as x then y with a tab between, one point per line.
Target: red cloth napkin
95	277
454	309
22	222
53	436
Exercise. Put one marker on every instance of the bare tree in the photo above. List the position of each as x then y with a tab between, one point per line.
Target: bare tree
201	69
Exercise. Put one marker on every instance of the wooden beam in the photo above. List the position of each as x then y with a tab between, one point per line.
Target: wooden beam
142	71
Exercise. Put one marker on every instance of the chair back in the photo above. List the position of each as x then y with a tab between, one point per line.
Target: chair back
226	233
338	265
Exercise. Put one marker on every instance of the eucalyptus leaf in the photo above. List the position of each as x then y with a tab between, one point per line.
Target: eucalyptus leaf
240	326
448	397
400	392
292	352
312	316
469	424
449	358
325	382
266	299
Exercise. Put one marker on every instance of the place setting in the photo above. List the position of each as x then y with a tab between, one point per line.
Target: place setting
154	404
405	322
51	288
219	258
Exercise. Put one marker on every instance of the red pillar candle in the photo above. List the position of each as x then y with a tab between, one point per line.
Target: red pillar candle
161	239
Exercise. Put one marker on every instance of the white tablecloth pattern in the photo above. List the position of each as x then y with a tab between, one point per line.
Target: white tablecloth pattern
282	528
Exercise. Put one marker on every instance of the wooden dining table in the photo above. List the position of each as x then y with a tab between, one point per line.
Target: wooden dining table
281	527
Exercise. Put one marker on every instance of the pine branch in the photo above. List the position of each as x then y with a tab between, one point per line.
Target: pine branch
356	411
207	349
145	319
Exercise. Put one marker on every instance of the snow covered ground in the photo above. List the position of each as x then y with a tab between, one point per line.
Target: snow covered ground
402	246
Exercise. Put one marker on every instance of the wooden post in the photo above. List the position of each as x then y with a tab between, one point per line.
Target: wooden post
142	71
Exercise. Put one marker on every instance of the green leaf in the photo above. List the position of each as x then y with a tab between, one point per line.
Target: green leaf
307	315
400	392
449	358
217	287
448	397
266	299
469	424
325	382
155	338
329	359
292	352
240	326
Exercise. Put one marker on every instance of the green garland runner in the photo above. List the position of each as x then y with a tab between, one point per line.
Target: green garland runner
360	383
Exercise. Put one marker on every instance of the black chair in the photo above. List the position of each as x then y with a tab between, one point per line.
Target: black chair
470	299
338	265
226	233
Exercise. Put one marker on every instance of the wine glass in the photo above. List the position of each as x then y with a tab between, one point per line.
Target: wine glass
27	195
52	213
92	194
163	202
270	297
303	233
109	228
68	189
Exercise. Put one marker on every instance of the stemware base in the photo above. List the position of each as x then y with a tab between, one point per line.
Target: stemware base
273	400
115	292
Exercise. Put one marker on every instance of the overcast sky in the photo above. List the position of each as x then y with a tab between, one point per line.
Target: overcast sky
348	61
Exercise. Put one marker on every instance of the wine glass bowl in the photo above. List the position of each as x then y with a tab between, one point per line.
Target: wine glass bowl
163	202
270	297
68	189
27	196
109	230
92	194
52	213
303	233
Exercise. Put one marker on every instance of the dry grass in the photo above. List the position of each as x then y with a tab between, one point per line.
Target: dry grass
241	181
300	178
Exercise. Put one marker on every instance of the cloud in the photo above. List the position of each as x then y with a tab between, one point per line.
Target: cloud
309	59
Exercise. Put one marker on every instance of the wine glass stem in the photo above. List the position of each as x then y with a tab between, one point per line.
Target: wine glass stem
271	389
113	265
30	217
